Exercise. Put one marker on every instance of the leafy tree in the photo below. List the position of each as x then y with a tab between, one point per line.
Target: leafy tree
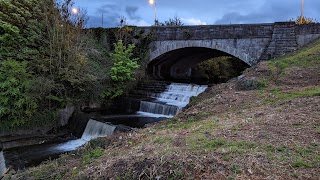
45	42
48	60
122	70
63	67
16	104
21	29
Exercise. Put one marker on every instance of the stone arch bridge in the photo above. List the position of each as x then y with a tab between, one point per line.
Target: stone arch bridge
176	50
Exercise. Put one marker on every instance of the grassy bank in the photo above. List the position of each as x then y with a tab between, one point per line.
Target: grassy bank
271	132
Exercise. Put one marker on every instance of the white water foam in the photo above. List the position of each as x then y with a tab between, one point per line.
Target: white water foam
2	164
171	101
158	108
145	114
94	129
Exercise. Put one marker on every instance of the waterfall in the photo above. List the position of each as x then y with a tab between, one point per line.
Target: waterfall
157	108
170	102
94	129
2	164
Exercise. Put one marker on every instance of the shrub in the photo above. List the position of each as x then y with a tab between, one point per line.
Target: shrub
16	104
122	69
303	20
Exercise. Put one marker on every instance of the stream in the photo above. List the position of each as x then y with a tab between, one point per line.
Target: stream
158	101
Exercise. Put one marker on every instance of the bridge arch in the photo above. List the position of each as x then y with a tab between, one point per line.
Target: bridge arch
159	48
174	60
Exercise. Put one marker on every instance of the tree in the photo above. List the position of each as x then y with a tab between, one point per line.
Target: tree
176	21
122	70
124	32
43	42
173	22
63	66
21	29
16	103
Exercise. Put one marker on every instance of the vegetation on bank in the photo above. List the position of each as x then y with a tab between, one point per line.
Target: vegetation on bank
48	61
122	69
219	69
226	133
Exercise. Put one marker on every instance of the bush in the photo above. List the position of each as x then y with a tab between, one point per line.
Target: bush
16	104
251	84
219	69
122	69
303	20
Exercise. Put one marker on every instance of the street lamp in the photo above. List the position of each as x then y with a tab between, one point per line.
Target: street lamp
302	10
153	2
75	10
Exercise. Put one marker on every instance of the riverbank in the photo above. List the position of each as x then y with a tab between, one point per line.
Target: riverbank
262	125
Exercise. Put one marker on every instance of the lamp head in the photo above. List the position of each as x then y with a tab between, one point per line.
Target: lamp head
75	10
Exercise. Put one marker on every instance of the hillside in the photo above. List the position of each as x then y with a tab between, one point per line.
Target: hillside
262	125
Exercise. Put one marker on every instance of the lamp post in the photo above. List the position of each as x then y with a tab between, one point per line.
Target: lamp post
302	11
75	11
102	19
153	2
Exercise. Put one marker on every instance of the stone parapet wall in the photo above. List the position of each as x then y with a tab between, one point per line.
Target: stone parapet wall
208	32
307	29
307	33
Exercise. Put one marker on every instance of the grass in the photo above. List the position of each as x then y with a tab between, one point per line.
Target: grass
163	140
300	163
58	169
283	96
202	143
51	169
235	169
306	57
297	157
90	155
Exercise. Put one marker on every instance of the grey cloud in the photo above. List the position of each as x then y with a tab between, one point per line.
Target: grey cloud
132	12
268	12
110	13
212	12
237	18
108	9
108	21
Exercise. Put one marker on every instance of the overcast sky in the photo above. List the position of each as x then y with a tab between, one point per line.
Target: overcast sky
195	12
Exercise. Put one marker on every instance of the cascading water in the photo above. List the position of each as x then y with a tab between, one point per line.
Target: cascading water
171	101
158	108
2	164
33	155
94	129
